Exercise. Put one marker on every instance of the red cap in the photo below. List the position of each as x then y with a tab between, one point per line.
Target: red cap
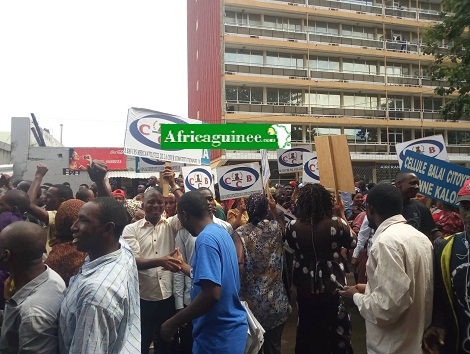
293	183
464	192
119	192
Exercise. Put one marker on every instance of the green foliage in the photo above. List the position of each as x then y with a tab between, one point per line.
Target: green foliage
452	64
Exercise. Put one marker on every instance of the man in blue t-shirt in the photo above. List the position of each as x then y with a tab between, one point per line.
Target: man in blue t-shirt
219	319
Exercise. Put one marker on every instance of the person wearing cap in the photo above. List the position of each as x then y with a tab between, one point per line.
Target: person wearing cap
449	331
120	196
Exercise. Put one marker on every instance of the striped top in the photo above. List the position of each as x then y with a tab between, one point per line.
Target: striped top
101	309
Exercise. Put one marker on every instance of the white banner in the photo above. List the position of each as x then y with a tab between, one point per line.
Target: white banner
143	137
239	181
310	170
432	146
143	164
196	177
265	171
290	160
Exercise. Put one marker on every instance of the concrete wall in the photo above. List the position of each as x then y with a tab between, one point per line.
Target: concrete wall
26	158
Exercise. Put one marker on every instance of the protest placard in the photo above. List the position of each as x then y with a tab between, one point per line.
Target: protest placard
239	181
265	170
432	146
334	163
290	160
142	137
311	173
438	179
196	177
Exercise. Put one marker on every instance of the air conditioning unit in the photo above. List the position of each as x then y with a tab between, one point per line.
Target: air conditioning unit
254	37
293	40
229	73
292	77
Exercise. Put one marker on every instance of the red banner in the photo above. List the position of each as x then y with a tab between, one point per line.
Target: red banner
80	158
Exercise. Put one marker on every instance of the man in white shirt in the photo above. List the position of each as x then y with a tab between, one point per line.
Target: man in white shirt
396	302
152	240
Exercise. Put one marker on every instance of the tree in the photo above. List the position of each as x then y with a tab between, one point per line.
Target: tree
452	64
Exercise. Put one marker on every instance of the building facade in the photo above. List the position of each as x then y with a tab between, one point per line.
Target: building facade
325	67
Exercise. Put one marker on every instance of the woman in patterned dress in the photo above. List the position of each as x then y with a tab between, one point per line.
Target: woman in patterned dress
317	238
261	283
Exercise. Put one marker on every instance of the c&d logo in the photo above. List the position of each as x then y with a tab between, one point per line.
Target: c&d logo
292	157
427	147
238	179
146	130
198	178
311	168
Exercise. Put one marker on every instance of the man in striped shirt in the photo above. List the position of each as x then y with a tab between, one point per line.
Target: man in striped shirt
101	309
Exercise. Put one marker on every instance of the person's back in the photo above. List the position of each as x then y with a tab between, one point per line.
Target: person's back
412	313
105	285
221	328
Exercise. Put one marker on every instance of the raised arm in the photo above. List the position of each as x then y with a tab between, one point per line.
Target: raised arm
97	172
38	212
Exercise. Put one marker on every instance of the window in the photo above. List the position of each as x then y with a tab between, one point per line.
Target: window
427	132
458	137
326	131
359	101
395	69
240	94
324	63
360	66
242	19
242	56
361	135
284	97
358	32
395	135
296	133
324	99
286	60
326	28
283	23
431	104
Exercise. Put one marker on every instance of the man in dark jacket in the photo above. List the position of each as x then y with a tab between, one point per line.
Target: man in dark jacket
450	328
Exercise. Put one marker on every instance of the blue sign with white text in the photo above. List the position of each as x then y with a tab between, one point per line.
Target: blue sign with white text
438	179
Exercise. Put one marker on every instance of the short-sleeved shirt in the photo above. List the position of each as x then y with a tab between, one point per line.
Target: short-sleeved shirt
30	317
224	328
418	216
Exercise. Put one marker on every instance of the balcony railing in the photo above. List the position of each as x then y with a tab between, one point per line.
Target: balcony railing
329	75
317	111
391	11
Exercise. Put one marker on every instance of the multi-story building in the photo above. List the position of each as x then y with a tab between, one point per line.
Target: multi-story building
326	67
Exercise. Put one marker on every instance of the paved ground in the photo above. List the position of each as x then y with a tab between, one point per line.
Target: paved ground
358	327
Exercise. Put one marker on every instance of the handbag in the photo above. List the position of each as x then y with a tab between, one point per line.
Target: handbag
255	338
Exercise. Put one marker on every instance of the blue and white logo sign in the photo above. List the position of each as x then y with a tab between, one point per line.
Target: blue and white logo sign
432	146
239	181
438	179
311	173
143	137
197	177
290	160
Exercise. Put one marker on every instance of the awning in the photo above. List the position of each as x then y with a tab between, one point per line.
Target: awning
131	174
7	169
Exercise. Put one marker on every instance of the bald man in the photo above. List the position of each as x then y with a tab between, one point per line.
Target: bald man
31	313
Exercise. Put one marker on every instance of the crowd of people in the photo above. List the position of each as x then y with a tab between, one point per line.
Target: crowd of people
97	272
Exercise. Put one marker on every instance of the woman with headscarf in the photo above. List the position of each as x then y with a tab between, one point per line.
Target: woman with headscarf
317	238
64	257
261	261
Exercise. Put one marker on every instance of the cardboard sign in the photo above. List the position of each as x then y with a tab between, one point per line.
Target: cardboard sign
311	172
334	162
265	171
290	160
438	179
197	177
432	146
80	158
143	137
239	181
143	164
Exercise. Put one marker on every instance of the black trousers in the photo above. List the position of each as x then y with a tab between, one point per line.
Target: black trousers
152	315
